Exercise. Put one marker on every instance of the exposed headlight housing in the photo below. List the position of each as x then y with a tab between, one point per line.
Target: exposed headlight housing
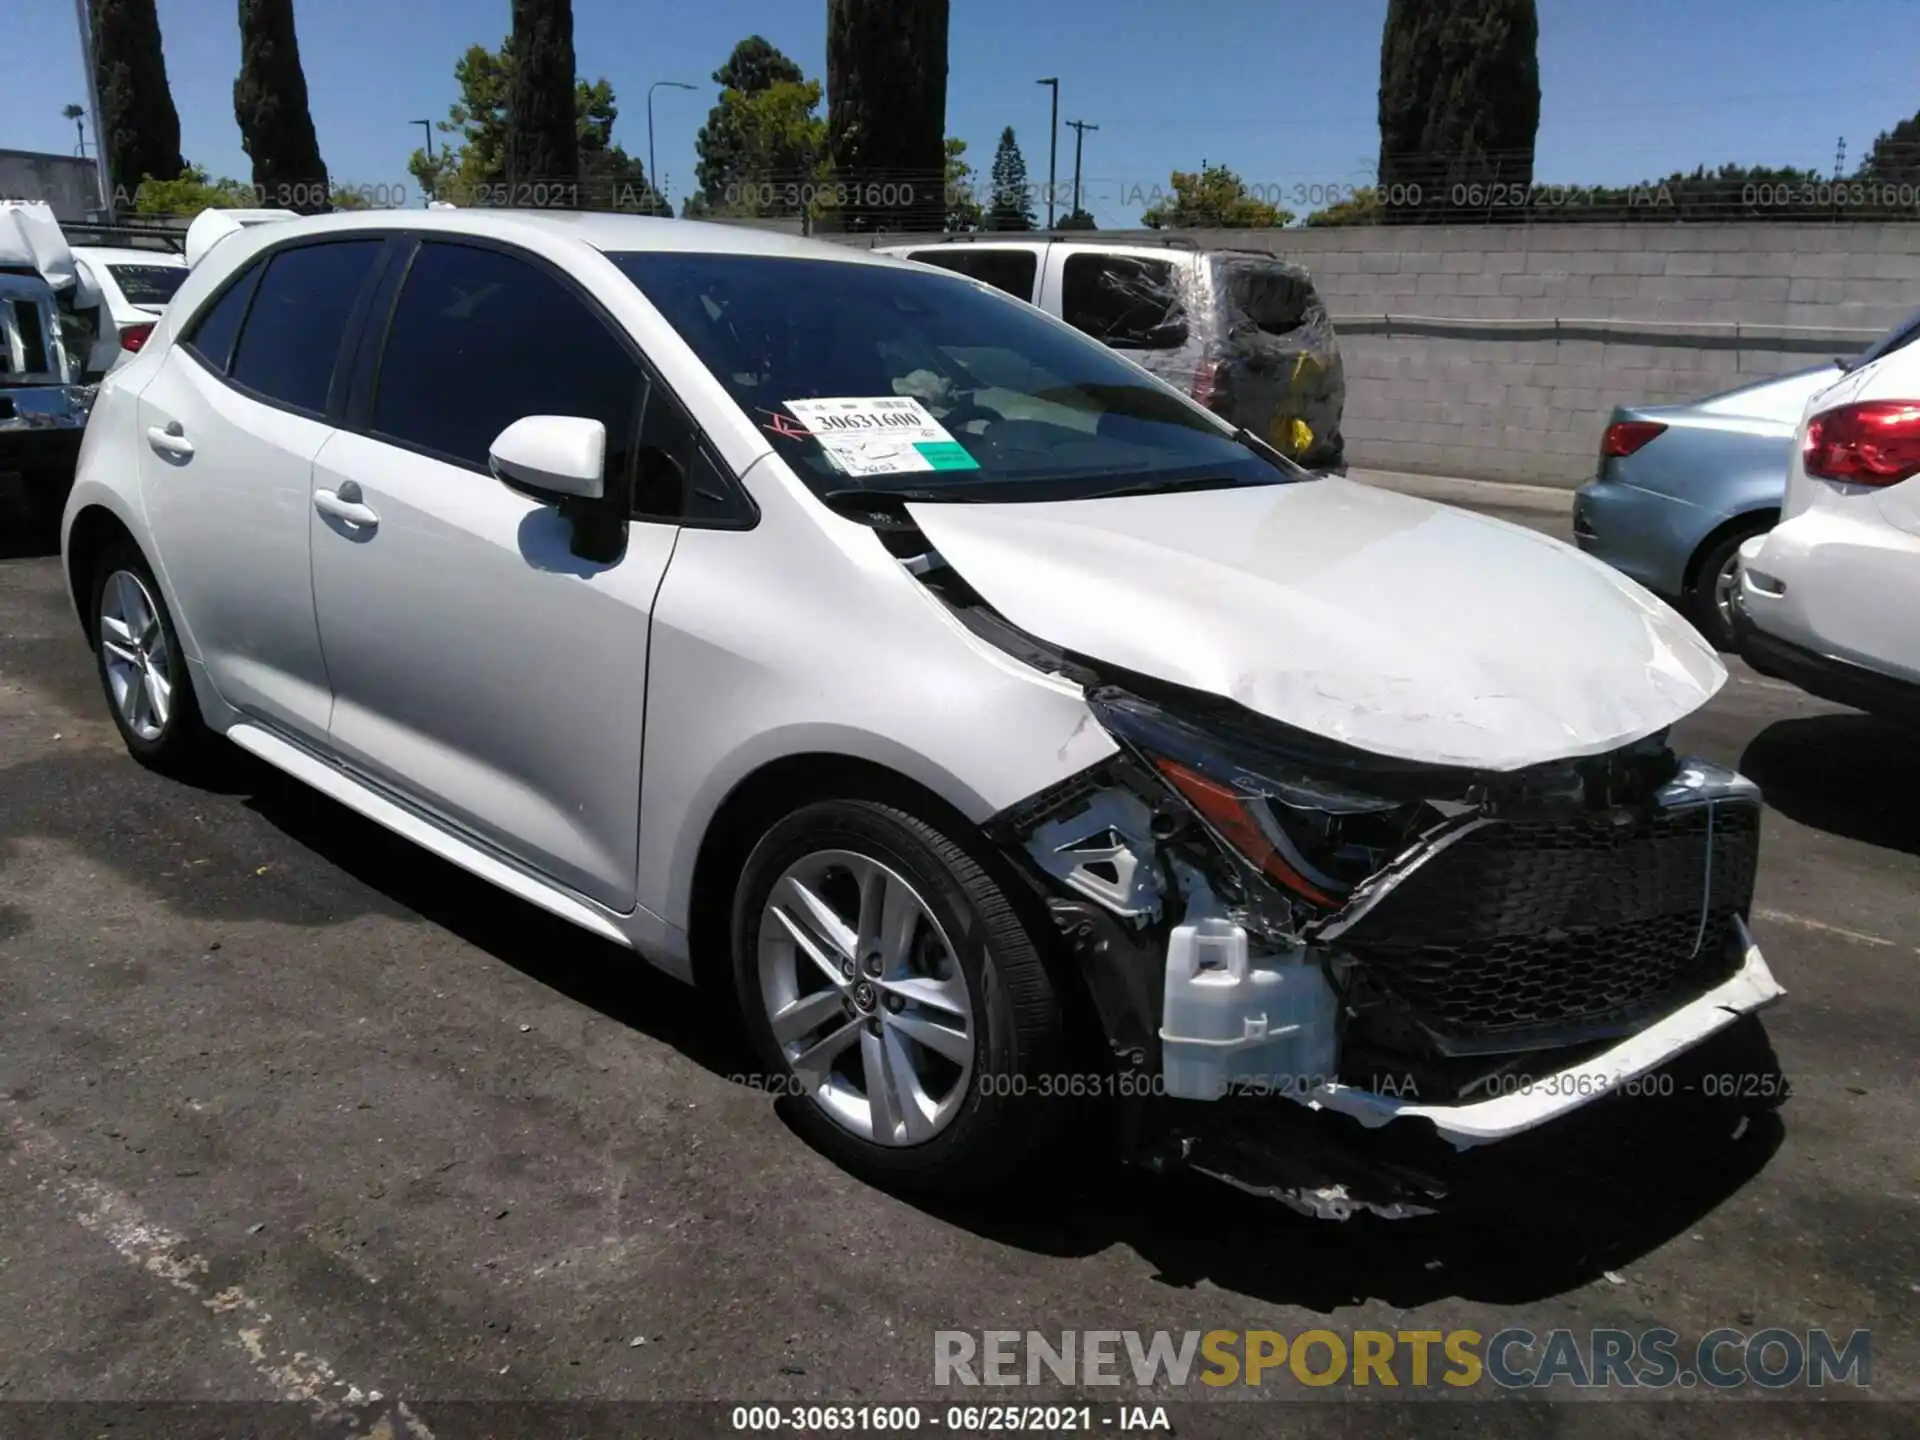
1312	831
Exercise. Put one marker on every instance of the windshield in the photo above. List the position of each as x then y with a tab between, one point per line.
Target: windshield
885	377
151	285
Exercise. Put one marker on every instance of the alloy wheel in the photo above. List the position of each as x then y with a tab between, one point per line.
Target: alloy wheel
866	998
1726	591
138	660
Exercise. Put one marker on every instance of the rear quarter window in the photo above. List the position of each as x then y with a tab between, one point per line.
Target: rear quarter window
1124	301
1272	299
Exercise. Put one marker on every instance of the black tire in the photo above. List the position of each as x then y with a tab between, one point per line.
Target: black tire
1017	1023
181	745
1701	606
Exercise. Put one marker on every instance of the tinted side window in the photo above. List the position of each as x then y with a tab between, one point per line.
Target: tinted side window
1129	304
299	315
481	339
214	332
1008	270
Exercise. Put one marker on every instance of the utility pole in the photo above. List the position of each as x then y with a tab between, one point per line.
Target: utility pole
93	103
1079	128
1053	146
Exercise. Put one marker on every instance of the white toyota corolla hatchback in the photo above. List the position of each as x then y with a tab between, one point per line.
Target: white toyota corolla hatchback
1019	741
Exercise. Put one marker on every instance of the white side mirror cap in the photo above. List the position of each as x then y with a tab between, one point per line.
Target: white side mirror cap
555	454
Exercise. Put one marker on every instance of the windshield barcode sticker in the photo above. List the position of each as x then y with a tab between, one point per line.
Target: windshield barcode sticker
883	435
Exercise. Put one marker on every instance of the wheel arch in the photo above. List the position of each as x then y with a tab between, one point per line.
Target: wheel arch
1756	520
94	528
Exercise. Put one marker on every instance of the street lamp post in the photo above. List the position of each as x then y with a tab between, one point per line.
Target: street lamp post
1053	145
653	170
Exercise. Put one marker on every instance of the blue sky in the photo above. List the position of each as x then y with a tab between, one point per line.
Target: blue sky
1283	91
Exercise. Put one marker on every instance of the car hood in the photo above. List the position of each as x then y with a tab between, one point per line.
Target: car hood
1400	626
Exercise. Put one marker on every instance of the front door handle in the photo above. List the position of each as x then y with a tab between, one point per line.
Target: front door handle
345	504
172	440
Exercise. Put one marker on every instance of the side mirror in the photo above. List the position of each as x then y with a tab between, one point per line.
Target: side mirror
553	457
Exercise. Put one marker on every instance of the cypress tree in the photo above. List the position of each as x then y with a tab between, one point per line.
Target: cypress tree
887	111
270	102
1459	105
543	138
139	128
1012	201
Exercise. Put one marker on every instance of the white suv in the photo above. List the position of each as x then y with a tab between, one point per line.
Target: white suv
1005	732
1830	597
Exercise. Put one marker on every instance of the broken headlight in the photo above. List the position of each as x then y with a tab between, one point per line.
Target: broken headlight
1315	832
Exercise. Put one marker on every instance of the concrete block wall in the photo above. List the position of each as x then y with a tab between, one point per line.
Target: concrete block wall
1497	352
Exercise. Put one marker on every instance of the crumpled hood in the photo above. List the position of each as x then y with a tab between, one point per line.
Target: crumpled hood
1399	626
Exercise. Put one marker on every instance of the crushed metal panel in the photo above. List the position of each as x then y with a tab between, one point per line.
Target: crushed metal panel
1404	628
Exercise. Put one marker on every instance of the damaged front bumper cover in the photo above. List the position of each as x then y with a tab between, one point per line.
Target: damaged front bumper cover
1533	1100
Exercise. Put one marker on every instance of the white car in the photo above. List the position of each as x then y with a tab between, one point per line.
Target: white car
1830	598
131	288
1007	732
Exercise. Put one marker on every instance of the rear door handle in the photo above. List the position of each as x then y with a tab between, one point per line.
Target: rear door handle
172	440
345	504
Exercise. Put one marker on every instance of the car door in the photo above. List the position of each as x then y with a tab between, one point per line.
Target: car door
229	425
480	669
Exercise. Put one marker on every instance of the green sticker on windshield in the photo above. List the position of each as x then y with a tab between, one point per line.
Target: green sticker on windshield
946	455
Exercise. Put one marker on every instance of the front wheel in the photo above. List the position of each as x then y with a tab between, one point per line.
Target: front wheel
893	993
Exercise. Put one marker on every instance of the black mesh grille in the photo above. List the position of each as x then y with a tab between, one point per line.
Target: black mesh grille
1532	924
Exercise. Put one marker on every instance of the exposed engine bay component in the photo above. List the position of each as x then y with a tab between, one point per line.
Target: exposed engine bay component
1263	913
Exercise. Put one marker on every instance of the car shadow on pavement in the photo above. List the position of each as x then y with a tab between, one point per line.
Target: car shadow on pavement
553	952
1847	774
1577	1203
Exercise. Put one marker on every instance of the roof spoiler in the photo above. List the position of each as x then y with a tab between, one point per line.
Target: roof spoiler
210	227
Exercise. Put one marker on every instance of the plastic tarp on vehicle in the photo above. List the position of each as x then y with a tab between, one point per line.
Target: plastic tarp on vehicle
1243	332
30	239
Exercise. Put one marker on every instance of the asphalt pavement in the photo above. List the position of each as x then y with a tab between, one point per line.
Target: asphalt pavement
291	1112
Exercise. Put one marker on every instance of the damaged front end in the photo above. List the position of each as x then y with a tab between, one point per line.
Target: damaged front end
1434	954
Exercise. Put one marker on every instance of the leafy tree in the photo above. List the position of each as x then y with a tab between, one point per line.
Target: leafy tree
139	128
1895	156
1078	220
543	137
963	206
1012	196
887	111
1459	99
475	155
782	152
270	102
190	192
754	65
1360	208
1214	199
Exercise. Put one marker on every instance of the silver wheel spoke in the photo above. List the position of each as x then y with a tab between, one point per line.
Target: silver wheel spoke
159	695
821	918
956	1045
898	1103
119	650
947	995
807	945
813	1063
889	917
804	1016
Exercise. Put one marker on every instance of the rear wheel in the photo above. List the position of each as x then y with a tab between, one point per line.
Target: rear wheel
894	996
1716	582
142	668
